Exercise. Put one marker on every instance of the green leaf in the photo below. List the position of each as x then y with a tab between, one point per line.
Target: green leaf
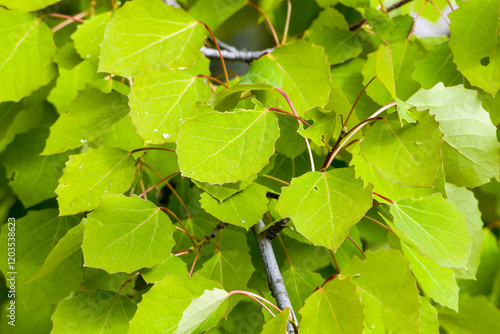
36	234
32	177
390	29
278	324
161	100
428	318
436	282
340	45
248	135
65	247
387	290
204	312
89	35
149	33
328	17
383	186
409	155
226	190
88	116
243	209
436	227
215	12
324	206
162	306
300	284
476	51
24	36
126	234
476	315
333	308
70	82
437	67
123	134
323	126
171	265
27	5
468	205
470	153
89	175
94	312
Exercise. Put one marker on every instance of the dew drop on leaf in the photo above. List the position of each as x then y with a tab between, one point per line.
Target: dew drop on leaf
166	136
155	130
418	143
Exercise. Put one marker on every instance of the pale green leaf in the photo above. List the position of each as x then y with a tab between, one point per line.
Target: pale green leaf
66	246
123	134
70	82
161	100
27	5
468	205
385	69
322	127
436	227
89	175
429	323
203	313
474	31
324	206
88	116
215	12
208	154
126	234
88	37
470	153
149	33
388	292
226	190
32	177
340	45
436	282
243	209
171	265
162	306
409	155
437	67
26	54
94	312
278	324
333	308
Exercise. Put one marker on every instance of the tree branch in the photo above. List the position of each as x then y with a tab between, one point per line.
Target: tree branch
274	277
234	54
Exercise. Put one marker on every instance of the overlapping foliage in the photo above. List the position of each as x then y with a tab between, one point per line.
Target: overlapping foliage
135	177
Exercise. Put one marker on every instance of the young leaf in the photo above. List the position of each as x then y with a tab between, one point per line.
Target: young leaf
324	206
436	228
89	175
162	306
409	155
470	154
161	100
248	135
476	51
94	312
389	296
203	313
126	234
243	209
26	52
89	116
437	282
149	33
333	308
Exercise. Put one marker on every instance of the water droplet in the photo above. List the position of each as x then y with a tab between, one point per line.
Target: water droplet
166	136
105	191
373	326
155	130
243	221
418	143
146	112
111	184
80	166
88	56
83	140
180	119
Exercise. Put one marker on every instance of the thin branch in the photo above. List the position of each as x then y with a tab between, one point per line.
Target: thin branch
275	280
300	119
242	55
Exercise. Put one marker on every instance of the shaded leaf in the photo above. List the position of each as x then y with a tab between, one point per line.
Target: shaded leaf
226	190
89	175
126	234
300	284
323	127
340	45
24	36
215	12
172	265
165	36
278	324
324	206
89	35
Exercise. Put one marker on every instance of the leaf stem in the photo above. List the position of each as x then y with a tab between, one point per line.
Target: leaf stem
285	250
220	53
297	116
211	79
300	119
152	148
190	235
356	102
276	179
355	244
144	192
194	262
70	19
415	20
383	197
255	297
380	223
335	264
271	27
440	12
287	22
